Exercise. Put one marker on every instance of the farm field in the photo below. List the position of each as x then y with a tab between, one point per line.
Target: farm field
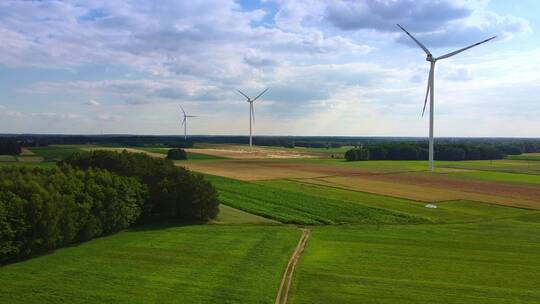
229	215
527	156
488	262
54	153
244	152
457	211
372	238
194	264
300	208
7	158
407	181
191	155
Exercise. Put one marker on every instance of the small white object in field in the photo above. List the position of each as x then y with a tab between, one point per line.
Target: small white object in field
432	206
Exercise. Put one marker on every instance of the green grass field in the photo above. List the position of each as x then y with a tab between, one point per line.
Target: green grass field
191	264
502	165
29	164
525	156
491	262
447	212
364	248
301	208
7	158
229	215
521	178
55	153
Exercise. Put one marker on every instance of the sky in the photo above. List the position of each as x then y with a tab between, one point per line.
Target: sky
336	67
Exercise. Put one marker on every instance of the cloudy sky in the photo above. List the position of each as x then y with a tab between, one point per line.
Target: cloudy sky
336	67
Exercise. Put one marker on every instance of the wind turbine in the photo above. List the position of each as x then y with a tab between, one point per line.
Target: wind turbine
251	112
431	85
184	122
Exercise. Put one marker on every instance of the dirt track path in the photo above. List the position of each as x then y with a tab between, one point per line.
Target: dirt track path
286	280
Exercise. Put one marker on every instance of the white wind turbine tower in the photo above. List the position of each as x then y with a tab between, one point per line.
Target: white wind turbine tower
431	85
251	112
184	122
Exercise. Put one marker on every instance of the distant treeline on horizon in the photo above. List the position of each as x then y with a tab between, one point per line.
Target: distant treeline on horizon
285	141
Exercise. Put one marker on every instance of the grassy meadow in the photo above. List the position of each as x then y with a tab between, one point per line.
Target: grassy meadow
54	153
487	262
190	264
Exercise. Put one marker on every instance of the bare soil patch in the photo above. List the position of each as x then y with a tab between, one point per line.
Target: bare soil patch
270	169
417	185
26	152
251	153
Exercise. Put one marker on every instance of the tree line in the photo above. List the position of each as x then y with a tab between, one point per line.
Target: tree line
9	147
44	209
174	192
446	151
29	140
93	194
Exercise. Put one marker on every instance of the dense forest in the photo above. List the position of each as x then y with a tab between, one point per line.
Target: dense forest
44	209
444	151
174	192
9	147
92	194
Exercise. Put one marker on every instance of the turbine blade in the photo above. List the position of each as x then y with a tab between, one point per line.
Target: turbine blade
260	94
183	122
252	113
464	49
428	89
417	42
191	116
243	94
183	110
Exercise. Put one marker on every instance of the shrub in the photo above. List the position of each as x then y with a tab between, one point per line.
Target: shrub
176	154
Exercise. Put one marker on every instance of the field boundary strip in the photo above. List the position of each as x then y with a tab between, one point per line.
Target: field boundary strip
288	274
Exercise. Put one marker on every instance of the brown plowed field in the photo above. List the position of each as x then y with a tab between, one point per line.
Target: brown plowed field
437	187
251	153
418	185
269	169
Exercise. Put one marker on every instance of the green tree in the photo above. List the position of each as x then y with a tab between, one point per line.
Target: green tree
177	154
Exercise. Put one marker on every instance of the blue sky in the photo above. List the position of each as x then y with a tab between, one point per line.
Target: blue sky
334	67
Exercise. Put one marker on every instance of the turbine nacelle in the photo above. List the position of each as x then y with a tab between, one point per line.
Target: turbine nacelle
430	58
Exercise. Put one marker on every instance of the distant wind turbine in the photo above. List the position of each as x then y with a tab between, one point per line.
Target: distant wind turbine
184	122
431	85
251	112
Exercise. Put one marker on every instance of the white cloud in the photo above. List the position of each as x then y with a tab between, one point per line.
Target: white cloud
91	102
330	65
